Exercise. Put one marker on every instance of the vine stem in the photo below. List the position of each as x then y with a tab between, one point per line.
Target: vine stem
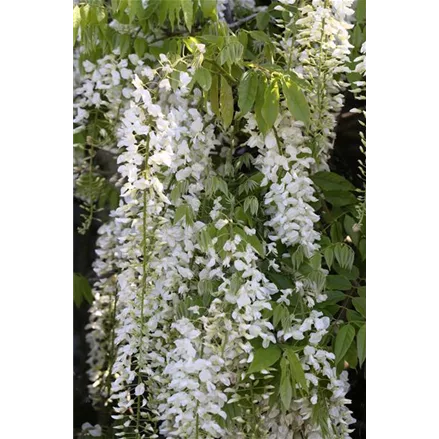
248	18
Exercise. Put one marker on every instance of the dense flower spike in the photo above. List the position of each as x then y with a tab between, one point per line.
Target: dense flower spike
102	314
208	318
321	53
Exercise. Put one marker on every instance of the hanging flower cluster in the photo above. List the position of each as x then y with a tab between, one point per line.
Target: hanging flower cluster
206	320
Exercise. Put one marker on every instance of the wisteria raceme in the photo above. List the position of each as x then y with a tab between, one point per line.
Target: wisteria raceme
290	189
197	272
102	314
321	55
102	89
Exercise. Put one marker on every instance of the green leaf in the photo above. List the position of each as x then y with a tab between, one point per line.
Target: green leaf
262	20
211	186
316	261
260	36
113	199
205	240
330	310
248	185
224	56
345	255
179	189
76	22
361	344
360	305
296	368
354	316
243	38
81	290
162	12
188	12
236	50
297	257
120	6
351	356
251	204
281	281
362	248
336	282
279	312
286	320
208	8
264	358
318	278
357	36
329	256
270	109
226	103
214	89
351	274
180	212
184	211
218	184
340	198
259	104
135	8
343	341
124	44
140	47
296	101
334	297
336	232
360	13
362	291
205	287
285	389
330	181
173	12
204	78
85	13
231	53
247	91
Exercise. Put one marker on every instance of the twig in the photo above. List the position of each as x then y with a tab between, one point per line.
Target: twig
248	18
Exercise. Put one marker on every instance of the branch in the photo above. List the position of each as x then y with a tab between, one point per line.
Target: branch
248	18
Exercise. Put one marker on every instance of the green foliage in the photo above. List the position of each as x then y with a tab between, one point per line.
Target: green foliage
286	388
330	181
184	212
81	290
226	102
247	91
264	358
361	344
336	282
251	204
296	101
297	373
270	108
204	78
343	341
